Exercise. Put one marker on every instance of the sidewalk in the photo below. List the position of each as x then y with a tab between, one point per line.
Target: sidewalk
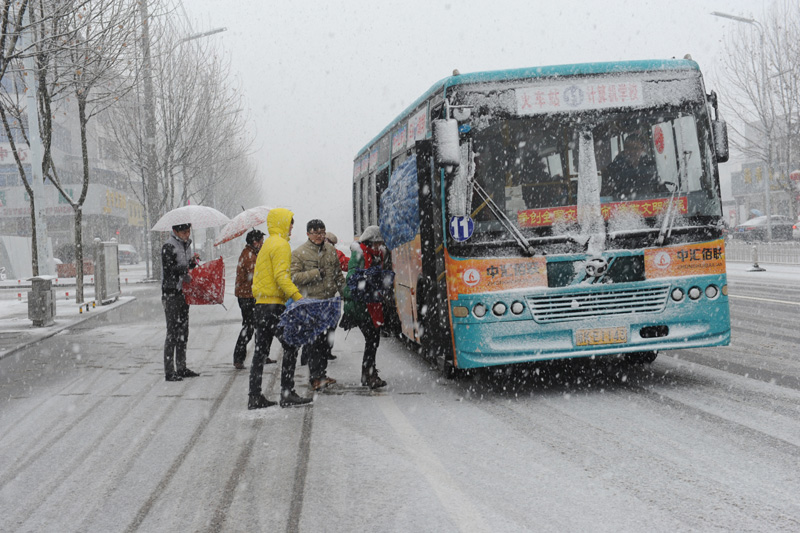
774	272
17	330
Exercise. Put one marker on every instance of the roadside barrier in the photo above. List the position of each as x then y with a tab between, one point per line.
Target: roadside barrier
784	253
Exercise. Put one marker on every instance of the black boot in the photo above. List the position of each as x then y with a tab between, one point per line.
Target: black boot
290	398
370	378
258	401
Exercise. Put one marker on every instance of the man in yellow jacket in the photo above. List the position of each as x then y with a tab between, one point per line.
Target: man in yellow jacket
272	288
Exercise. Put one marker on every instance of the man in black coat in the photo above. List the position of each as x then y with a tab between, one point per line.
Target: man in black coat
176	262
633	174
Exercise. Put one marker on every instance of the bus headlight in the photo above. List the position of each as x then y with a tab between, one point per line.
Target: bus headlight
479	310
712	292
695	293
677	294
499	309
517	308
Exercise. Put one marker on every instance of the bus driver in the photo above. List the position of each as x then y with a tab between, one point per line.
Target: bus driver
633	174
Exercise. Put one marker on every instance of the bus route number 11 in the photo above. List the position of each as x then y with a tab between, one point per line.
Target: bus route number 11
461	228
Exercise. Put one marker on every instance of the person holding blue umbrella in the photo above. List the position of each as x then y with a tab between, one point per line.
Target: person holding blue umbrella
318	274
272	289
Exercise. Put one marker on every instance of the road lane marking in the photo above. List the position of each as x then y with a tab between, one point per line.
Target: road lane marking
763	299
458	505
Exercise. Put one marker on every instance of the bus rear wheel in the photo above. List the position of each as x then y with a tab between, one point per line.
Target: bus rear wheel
641	358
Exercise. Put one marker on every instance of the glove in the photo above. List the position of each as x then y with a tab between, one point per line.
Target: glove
291	303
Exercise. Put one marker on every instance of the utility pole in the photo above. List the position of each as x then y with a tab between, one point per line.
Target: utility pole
44	255
151	181
150	171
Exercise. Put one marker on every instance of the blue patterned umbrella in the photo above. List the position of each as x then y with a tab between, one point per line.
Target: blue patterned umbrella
307	318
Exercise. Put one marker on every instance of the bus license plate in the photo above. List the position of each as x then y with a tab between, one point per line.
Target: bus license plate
595	336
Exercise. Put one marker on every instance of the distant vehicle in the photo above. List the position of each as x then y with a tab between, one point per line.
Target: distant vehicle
796	229
128	254
755	229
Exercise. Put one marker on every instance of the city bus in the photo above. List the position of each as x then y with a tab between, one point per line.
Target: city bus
553	212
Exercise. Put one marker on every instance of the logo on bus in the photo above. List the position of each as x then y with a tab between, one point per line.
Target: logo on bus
471	277
658	139
662	260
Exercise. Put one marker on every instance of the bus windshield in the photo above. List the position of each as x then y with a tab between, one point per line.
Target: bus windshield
647	161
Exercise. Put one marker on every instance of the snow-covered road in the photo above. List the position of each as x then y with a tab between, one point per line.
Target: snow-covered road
94	439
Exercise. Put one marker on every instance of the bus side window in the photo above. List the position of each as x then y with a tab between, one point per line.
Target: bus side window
381	183
366	204
374	200
358	228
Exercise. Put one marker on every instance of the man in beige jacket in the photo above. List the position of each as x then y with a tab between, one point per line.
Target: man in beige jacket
317	273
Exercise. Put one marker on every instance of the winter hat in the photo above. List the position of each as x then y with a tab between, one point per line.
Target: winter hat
331	238
181	227
371	234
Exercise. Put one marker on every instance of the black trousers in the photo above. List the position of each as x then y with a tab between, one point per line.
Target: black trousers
267	318
248	308
372	338
317	353
176	310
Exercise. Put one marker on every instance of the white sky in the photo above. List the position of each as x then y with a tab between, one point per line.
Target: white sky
322	79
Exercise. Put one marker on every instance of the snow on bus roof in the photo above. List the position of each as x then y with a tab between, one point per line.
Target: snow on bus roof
576	69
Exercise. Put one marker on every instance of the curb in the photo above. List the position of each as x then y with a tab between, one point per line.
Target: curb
100	312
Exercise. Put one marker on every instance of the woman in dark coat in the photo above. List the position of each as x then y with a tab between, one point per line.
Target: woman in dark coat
244	295
368	317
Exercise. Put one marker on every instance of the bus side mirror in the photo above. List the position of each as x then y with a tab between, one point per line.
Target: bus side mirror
446	151
721	140
720	130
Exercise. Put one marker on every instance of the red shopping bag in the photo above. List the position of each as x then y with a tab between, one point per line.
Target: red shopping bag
208	284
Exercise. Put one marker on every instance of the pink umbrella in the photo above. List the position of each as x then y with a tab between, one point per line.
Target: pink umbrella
241	223
199	216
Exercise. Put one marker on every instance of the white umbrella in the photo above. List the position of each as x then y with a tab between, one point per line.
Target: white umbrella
241	223
199	216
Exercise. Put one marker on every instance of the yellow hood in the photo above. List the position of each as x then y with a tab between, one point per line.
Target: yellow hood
278	222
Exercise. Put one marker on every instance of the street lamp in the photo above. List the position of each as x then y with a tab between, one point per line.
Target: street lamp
763	96
203	34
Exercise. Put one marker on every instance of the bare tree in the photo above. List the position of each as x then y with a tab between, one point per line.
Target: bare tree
762	75
95	66
197	127
45	32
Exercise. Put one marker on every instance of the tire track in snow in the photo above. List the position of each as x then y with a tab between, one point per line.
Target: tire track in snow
301	469
222	510
87	381
457	504
76	460
147	506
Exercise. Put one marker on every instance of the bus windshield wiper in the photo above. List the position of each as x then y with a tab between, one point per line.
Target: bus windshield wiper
669	218
503	219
